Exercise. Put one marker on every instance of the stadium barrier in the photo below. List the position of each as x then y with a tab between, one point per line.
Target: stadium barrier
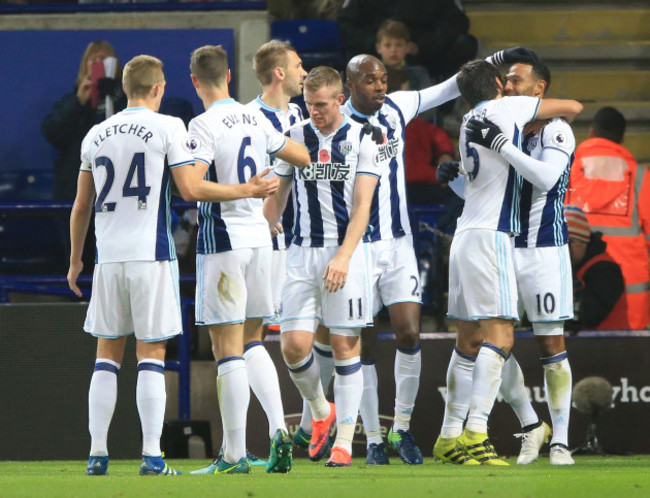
47	363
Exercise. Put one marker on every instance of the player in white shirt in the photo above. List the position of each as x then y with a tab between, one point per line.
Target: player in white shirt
129	160
395	273
279	69
234	249
482	288
547	297
327	280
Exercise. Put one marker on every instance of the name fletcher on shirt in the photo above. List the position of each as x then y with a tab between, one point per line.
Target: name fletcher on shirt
123	129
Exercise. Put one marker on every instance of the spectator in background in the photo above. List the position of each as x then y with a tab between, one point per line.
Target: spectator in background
426	146
393	43
91	101
304	9
614	191
599	290
439	31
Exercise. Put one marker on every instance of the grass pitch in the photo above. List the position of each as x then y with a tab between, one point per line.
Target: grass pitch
592	476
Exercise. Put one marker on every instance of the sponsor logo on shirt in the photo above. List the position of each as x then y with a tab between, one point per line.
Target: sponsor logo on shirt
388	150
335	172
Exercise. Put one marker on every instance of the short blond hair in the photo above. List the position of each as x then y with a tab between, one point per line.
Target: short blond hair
269	56
141	74
209	64
322	76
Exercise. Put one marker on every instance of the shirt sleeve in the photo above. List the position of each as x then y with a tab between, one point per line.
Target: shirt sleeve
201	142
179	152
438	94
371	162
523	109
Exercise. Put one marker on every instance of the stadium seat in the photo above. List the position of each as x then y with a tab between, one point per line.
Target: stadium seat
316	40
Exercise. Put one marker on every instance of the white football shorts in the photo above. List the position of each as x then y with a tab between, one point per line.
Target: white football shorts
545	282
278	276
482	276
395	274
306	302
234	285
135	297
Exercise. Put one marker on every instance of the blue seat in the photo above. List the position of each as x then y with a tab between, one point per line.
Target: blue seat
316	40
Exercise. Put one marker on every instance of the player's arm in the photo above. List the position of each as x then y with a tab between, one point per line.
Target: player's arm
542	173
192	187
82	210
559	108
436	95
274	205
294	153
337	269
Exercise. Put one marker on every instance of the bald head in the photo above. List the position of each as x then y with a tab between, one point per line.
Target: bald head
362	64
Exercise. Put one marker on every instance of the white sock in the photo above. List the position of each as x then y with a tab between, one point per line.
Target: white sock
306	376
557	383
150	398
485	386
348	388
408	363
325	360
102	396
263	378
515	394
459	392
369	407
234	396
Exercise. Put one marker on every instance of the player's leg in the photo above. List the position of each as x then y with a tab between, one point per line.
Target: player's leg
557	383
348	388
405	320
534	432
155	305
102	396
459	391
376	453
109	319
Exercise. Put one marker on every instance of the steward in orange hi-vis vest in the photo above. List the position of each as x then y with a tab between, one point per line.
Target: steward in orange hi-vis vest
614	192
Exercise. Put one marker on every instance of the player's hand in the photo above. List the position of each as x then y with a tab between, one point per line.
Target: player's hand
447	171
277	229
534	127
336	273
73	274
375	133
261	187
512	56
486	133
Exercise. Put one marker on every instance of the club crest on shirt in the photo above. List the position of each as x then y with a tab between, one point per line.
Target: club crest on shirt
345	147
392	121
559	139
532	143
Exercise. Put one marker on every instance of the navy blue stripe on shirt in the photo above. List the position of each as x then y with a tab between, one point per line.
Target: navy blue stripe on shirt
311	188
213	235
272	117
338	188
164	249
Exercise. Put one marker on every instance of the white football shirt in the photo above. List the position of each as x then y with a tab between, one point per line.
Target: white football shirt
542	215
234	141
130	156
389	212
492	186
323	191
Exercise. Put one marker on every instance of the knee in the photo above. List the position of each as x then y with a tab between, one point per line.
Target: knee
407	336
294	351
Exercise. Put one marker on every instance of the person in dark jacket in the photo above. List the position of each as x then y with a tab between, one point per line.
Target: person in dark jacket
91	101
599	288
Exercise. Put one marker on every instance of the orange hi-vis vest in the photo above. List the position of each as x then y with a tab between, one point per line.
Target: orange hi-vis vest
617	319
614	192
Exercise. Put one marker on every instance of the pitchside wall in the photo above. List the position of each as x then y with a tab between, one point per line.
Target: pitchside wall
46	362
